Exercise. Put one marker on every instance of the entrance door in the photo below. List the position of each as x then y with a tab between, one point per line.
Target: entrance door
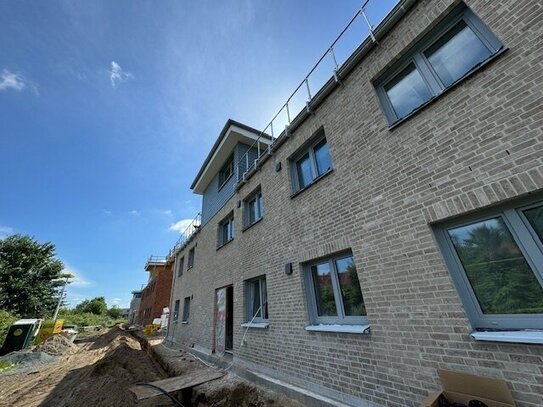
224	321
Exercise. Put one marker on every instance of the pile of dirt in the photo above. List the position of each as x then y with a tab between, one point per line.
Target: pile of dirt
27	359
57	345
110	338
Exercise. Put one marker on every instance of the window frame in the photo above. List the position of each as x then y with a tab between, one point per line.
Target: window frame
186	310
415	55
341	318
177	304
190	259
249	295
309	149
255	196
228	165
529	245
180	266
227	222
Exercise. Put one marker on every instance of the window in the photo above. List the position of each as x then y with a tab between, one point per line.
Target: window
226	172
447	54
496	262
256	300
333	290
253	209
310	164
186	309
180	266
191	259
226	230
176	311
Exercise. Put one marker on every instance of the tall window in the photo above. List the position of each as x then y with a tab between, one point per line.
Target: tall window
311	163
176	311
226	230
333	289
191	259
226	171
496	261
186	309
180	266
447	54
256	299
253	208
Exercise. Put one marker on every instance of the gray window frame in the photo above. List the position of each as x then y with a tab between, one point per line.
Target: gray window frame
230	166
249	294
176	310
256	196
416	57
341	318
530	246
186	310
180	266
227	222
190	259
308	150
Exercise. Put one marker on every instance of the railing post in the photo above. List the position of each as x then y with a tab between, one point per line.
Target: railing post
307	103
370	27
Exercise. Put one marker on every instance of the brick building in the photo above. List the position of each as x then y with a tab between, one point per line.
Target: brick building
156	294
134	310
394	229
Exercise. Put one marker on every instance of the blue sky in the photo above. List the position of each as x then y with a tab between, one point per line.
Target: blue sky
108	108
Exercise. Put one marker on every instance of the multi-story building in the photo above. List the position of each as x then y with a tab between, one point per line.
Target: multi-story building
133	311
394	228
156	294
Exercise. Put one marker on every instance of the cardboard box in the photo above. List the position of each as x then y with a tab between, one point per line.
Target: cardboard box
463	387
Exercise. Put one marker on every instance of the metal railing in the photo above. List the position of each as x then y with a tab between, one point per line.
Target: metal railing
192	228
283	117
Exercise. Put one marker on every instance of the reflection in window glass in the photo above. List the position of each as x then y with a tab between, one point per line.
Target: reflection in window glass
353	304
324	293
407	91
535	217
500	276
456	53
257	310
322	157
305	175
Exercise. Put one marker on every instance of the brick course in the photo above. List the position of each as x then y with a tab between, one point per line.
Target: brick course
479	144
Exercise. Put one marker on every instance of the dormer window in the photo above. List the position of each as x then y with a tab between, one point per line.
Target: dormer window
226	171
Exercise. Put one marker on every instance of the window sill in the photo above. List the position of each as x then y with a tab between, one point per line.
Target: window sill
258	325
252	224
509	336
224	244
184	322
298	192
348	329
188	268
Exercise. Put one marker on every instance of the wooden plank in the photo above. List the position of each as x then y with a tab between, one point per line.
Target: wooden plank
177	383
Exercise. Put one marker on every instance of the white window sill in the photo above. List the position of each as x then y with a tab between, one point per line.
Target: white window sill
258	325
184	322
348	329
509	336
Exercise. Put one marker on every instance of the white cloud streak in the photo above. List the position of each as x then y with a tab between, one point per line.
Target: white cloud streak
78	280
5	231
118	75
11	80
181	225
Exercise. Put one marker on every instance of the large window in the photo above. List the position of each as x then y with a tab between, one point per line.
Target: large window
451	51
311	163
253	208
176	311
225	230
496	261
186	309
180	266
333	290
226	171
256	300
191	259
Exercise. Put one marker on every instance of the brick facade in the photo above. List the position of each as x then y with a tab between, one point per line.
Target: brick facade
478	144
156	294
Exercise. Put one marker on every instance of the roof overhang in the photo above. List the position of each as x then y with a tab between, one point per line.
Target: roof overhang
232	134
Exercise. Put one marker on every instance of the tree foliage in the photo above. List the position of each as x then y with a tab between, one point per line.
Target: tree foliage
96	306
115	313
30	276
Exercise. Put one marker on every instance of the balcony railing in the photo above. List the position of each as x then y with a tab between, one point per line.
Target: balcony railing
187	235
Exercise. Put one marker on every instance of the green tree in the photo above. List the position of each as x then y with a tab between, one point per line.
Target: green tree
96	306
115	313
30	276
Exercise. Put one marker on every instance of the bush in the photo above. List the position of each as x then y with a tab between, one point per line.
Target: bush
6	319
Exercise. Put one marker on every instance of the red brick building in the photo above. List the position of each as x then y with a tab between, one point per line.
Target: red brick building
156	294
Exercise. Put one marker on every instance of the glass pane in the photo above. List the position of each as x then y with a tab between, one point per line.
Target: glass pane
322	157
256	307
264	298
456	53
501	278
258	206
407	91
303	168
252	211
535	217
351	294
324	292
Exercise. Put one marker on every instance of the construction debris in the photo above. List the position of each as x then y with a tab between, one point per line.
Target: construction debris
57	345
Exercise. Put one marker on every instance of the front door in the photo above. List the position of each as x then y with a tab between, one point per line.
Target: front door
224	321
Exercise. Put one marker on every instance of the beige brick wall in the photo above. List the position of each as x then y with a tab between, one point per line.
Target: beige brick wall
386	188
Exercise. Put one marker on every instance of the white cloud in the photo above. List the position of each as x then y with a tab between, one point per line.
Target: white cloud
106	212
134	212
181	225
78	280
167	212
118	75
10	80
5	231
